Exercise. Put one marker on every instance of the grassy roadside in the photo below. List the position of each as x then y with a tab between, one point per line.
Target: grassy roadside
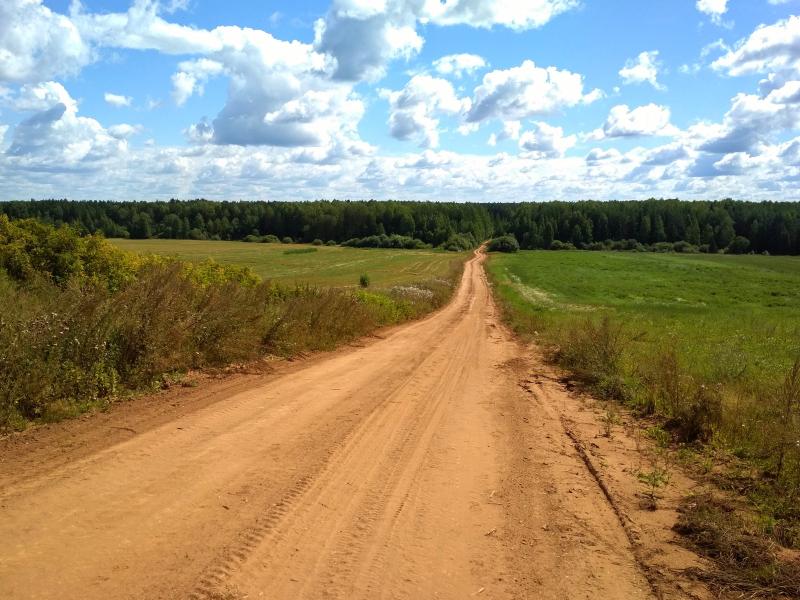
704	346
85	323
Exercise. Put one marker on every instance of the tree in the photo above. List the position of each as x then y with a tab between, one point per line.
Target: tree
659	234
504	243
141	226
739	245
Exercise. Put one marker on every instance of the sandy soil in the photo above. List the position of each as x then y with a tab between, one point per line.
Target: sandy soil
431	463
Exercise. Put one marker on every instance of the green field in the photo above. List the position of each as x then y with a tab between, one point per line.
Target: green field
724	313
326	265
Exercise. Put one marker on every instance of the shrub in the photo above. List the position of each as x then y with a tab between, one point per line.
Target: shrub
317	242
559	245
459	242
287	240
684	247
270	239
30	250
504	243
739	245
330	243
300	251
596	246
386	241
363	281
662	247
626	245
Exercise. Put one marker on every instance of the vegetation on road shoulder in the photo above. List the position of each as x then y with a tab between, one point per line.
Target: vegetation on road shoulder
84	322
708	347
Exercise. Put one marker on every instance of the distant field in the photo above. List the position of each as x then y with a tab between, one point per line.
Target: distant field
329	265
722	312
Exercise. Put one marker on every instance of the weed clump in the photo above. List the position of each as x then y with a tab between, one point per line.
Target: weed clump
747	560
594	351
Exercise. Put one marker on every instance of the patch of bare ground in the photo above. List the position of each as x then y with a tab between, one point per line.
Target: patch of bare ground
624	465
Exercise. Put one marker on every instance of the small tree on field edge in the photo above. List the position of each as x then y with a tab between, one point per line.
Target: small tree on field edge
504	243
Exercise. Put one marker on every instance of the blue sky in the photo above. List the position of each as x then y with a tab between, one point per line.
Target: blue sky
416	99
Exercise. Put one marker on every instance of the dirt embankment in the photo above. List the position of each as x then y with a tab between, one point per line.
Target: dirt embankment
432	463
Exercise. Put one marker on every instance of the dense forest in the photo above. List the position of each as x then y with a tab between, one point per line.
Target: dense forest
772	227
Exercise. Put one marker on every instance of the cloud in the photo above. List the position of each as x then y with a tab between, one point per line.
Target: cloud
56	138
40	96
642	69
648	120
364	36
279	94
510	131
192	77
459	64
290	105
117	100
142	28
259	114
199	133
770	48
713	8
123	131
545	141
751	121
413	111
525	91
666	155
37	44
508	13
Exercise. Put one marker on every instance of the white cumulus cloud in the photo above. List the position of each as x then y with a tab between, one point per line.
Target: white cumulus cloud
414	110
117	100
525	91
57	138
459	64
39	96
770	48
642	69
622	121
363	36
545	141
192	77
37	44
713	8
508	13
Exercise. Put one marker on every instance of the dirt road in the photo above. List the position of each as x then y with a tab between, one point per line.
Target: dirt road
413	467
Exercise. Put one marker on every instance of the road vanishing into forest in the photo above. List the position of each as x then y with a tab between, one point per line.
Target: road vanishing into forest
414	465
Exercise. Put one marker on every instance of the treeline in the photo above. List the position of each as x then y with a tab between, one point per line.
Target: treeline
772	227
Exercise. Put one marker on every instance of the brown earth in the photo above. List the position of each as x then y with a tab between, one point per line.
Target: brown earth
443	460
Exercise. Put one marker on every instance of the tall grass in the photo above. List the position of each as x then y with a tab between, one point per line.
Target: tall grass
71	344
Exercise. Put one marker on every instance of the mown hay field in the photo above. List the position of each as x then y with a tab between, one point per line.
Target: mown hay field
317	265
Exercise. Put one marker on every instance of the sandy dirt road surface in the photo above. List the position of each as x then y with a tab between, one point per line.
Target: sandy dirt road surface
415	466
